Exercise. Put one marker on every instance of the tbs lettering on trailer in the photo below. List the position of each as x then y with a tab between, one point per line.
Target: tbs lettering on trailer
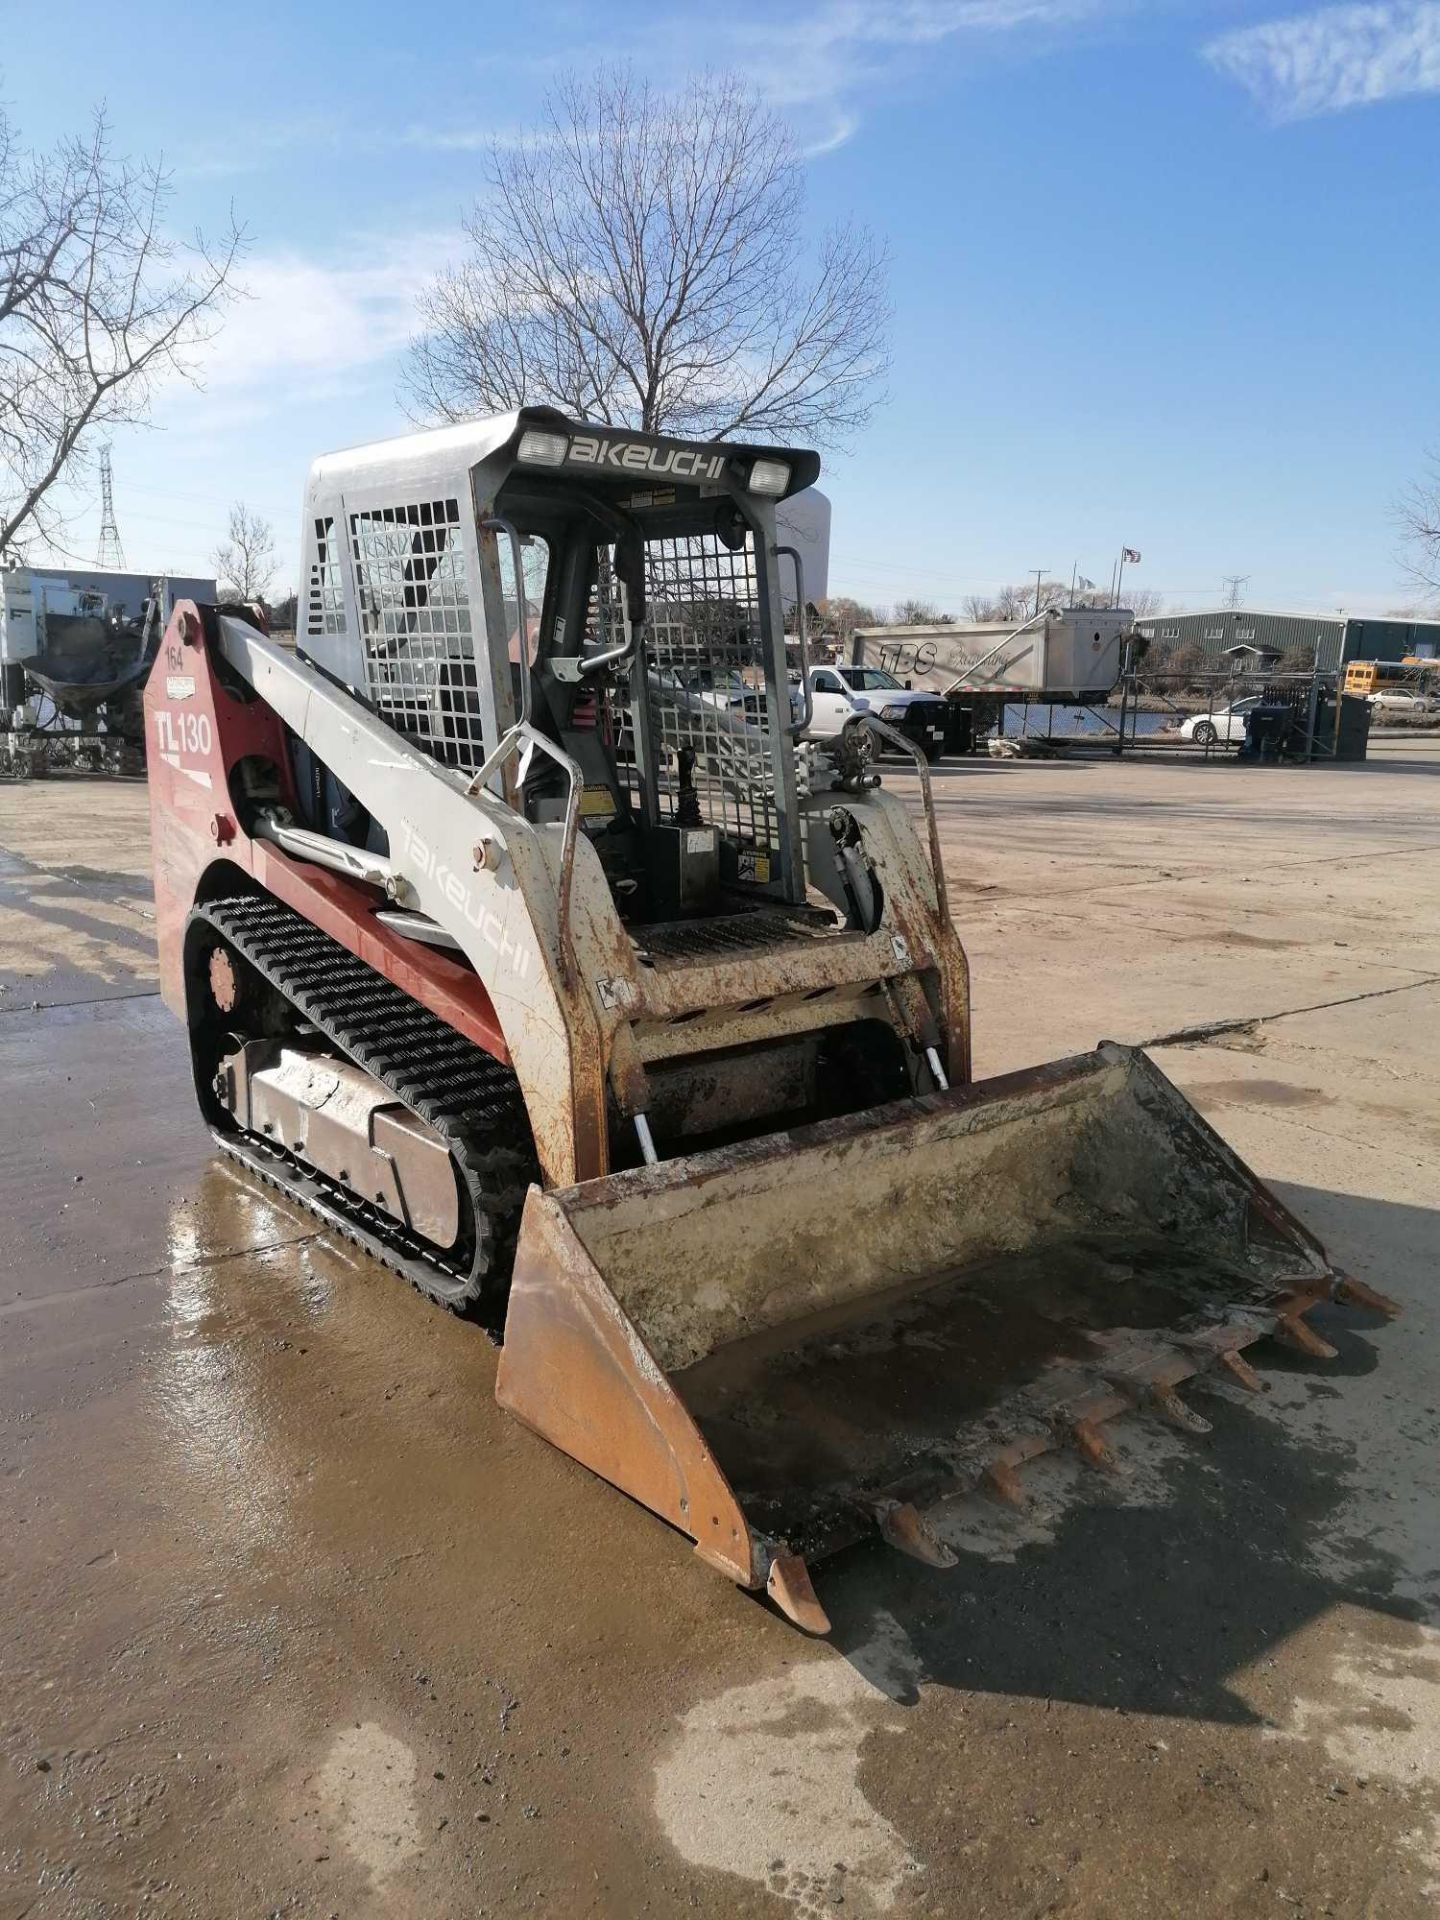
490	927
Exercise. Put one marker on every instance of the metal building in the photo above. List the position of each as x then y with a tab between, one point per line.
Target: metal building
1334	639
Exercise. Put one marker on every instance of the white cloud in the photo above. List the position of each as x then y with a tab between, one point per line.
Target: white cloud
821	62
828	57
311	321
1339	57
480	139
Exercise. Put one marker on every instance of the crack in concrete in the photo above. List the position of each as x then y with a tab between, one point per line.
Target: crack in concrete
1039	902
10	1309
1198	1036
96	1000
1277	1117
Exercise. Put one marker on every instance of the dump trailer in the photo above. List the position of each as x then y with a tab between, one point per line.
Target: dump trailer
522	935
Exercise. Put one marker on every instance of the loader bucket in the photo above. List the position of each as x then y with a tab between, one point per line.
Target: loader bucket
784	1345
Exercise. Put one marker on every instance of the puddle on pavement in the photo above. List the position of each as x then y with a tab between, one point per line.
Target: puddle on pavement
1263	1093
241	1268
762	1781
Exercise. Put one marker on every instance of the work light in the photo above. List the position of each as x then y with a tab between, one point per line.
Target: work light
542	449
769	476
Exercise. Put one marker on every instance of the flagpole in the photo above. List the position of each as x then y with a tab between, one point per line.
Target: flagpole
1073	571
1112	585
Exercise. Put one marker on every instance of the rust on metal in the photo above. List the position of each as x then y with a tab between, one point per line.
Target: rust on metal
1240	1369
1291	1330
1168	1403
904	1527
1359	1294
224	990
1002	1479
1092	1446
790	1587
575	1368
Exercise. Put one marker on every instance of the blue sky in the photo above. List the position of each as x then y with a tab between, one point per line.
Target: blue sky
1164	273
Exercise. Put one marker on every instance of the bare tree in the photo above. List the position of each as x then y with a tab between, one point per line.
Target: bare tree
638	261
1419	514
97	306
245	563
1145	603
1017	602
920	613
840	616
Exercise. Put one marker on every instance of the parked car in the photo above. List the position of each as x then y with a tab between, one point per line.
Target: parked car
1225	723
1401	700
839	693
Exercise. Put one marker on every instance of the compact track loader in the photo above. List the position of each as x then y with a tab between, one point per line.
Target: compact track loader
522	935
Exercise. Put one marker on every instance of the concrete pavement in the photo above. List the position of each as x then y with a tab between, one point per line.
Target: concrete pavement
295	1621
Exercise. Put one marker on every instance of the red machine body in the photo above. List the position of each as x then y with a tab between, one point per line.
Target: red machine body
197	732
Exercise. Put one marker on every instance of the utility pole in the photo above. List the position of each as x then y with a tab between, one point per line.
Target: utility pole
111	556
1039	576
1235	590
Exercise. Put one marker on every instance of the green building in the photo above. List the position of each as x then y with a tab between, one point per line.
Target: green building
1334	640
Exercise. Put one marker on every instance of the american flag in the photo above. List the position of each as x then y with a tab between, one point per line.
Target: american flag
1130	556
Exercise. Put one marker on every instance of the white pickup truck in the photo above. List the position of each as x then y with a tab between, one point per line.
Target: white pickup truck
839	693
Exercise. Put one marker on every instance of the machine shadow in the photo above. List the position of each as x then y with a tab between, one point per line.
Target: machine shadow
1152	1607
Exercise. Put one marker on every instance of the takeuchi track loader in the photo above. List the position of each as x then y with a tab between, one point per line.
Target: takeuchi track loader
522	935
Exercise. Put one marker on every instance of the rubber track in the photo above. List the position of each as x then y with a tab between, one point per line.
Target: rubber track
471	1099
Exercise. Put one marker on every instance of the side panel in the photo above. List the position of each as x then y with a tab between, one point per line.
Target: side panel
575	1369
486	875
196	732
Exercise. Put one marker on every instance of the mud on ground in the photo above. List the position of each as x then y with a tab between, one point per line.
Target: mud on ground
293	1621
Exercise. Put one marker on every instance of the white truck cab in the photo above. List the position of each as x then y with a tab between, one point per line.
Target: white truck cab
839	693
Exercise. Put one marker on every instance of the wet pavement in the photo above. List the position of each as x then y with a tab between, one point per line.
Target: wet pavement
293	1620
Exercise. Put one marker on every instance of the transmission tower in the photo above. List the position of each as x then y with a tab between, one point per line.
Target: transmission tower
111	556
1235	589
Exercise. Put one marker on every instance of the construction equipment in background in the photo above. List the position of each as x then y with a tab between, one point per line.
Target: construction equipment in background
76	647
521	934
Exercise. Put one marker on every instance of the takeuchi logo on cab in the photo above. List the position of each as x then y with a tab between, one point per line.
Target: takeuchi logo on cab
633	456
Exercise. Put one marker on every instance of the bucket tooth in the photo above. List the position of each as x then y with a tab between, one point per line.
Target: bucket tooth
1004	1482
1240	1369
904	1527
1358	1294
1092	1446
1292	1331
1167	1402
789	1586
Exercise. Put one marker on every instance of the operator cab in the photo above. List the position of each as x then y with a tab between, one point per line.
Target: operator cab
625	593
